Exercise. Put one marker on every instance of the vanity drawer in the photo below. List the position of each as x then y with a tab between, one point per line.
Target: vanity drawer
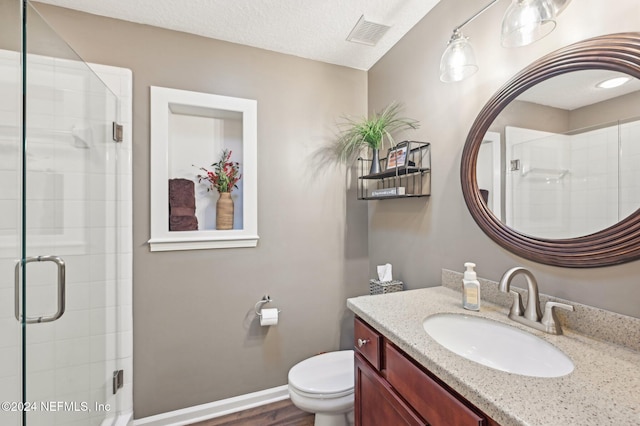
430	399
367	342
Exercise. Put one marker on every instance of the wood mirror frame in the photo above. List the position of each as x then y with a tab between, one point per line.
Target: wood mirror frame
616	244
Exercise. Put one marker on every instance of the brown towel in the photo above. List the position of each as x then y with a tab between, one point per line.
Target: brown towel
182	211
182	205
182	193
183	223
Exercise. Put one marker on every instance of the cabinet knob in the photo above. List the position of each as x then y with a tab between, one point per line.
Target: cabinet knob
362	342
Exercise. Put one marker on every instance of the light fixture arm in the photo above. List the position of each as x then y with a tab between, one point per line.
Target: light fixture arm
524	22
474	16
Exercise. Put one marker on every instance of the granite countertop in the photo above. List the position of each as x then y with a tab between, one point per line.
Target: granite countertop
603	389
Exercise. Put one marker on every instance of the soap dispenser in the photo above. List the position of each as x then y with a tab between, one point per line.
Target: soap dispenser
470	288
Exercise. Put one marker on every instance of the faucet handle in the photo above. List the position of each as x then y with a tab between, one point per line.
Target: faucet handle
517	308
550	320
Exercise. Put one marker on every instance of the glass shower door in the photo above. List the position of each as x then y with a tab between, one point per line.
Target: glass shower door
10	210
68	266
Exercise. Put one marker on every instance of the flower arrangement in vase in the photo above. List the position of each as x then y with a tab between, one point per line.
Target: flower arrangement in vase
223	178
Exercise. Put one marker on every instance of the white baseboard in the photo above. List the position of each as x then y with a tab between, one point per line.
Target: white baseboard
215	409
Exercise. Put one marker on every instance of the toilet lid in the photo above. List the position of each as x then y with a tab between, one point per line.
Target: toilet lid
328	373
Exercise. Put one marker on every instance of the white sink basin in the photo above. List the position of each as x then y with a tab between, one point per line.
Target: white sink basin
497	345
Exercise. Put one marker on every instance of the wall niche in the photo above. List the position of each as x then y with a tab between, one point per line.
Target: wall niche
190	130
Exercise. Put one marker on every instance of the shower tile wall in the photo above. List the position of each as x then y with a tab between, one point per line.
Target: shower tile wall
593	181
535	200
73	358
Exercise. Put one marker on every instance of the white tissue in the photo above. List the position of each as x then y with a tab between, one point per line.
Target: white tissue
269	317
384	272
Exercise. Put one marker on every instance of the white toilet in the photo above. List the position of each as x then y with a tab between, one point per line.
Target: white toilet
323	385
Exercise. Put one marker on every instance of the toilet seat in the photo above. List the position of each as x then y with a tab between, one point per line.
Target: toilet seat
328	375
323	395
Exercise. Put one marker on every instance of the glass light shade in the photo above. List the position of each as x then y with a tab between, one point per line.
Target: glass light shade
526	21
458	60
558	5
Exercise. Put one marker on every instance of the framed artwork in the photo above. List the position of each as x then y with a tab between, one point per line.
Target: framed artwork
397	156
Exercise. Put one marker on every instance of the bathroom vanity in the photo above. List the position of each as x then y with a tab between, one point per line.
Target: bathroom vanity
404	377
392	389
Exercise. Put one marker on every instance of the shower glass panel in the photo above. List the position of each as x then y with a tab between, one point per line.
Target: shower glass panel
10	207
59	192
574	184
538	184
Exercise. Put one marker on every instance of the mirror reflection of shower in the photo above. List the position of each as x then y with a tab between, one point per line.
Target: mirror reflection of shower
567	156
566	185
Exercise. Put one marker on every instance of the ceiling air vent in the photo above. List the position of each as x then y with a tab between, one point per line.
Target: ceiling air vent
366	32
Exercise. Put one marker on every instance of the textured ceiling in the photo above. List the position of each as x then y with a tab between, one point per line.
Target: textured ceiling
314	29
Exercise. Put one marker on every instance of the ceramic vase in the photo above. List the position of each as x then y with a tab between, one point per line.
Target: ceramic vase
375	163
224	211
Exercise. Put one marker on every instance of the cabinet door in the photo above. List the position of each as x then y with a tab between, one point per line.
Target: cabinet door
375	401
431	400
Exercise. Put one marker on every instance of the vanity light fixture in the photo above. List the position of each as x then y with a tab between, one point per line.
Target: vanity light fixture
612	82
458	60
527	21
558	5
524	22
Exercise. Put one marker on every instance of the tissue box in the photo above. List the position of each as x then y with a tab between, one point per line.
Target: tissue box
382	287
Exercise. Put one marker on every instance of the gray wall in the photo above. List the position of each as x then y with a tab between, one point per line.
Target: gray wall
531	116
623	107
196	339
10	30
548	119
420	237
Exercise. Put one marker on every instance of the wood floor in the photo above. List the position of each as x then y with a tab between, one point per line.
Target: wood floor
282	413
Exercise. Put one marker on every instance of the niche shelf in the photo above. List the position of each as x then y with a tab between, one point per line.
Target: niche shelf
188	131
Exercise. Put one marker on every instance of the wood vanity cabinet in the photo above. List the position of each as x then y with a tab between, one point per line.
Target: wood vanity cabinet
392	389
376	401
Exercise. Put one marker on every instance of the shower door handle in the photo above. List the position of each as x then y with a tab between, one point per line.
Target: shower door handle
61	288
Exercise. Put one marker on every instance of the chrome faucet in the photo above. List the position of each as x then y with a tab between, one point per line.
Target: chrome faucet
532	312
531	316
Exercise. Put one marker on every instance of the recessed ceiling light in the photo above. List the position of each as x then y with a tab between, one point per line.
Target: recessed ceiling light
612	82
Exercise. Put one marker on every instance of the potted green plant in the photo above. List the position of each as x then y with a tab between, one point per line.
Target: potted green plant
370	133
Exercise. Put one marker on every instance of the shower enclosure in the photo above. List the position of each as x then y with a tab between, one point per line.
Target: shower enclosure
64	247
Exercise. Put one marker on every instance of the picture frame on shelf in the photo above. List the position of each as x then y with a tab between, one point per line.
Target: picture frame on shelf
397	156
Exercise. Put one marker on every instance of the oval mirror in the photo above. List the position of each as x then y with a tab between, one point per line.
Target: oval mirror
551	167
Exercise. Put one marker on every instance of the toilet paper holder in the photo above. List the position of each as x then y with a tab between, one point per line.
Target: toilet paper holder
265	299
